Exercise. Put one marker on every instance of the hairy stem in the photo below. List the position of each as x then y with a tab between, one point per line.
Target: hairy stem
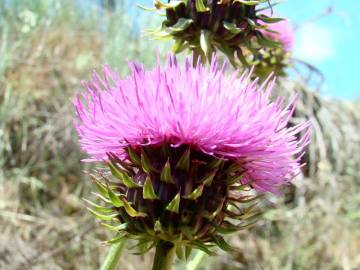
113	256
196	262
164	256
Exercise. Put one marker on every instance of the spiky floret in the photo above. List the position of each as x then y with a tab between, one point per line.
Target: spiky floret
183	144
204	26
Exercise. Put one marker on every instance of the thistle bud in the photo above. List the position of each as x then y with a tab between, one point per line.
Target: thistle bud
206	26
273	59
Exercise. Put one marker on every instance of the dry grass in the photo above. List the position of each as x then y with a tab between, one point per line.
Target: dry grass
42	217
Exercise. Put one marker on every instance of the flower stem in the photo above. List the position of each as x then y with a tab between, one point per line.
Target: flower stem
113	256
196	262
164	256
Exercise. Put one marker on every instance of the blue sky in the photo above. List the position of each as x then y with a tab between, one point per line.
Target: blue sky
330	43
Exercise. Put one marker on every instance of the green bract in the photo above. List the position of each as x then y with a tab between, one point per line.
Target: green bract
176	195
269	61
205	26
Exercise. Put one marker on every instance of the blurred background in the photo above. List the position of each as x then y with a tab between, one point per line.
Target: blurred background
48	46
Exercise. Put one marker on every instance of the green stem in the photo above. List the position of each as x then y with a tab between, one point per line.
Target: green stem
164	256
113	256
196	262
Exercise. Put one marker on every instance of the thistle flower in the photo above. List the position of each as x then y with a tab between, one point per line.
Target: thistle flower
185	145
205	26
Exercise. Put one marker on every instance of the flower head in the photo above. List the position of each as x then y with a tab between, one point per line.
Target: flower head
223	116
184	145
230	26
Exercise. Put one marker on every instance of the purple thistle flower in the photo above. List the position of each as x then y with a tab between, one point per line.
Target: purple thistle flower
222	116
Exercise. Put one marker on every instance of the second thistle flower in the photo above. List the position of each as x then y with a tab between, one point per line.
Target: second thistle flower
204	26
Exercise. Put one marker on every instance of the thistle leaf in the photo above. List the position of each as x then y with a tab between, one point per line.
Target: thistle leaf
205	43
221	243
196	193
251	216
180	253
207	180
200	7
235	179
166	174
134	157
100	186
123	177
102	216
158	226
228	227
212	215
179	46
240	187
249	2
99	208
184	161
162	35
180	26
173	206
231	27
148	190
267	42
247	199
145	8
173	4
229	52
186	230
188	250
146	164
106	200
267	19
114	198
203	247
120	227
233	168
116	160
130	210
241	56
215	164
143	246
115	240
